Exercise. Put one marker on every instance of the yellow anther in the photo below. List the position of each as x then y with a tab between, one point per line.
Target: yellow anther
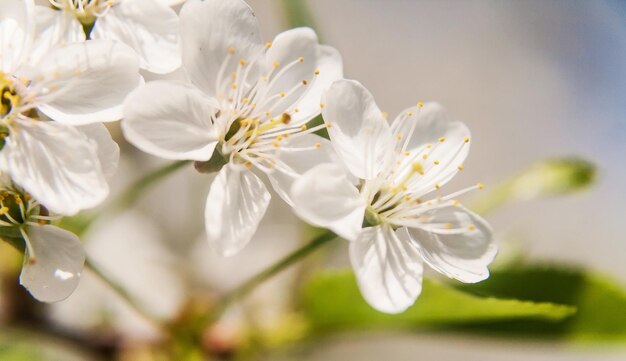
285	118
409	113
425	156
231	50
318	145
407	153
403	187
234	86
399	137
27	197
303	127
466	140
322	105
316	72
304	82
265	78
447	226
407	198
245	100
296	110
4	210
420	104
480	186
268	44
436	162
279	138
418	201
385	115
276	64
437	186
267	113
442	139
282	94
329	125
418	168
460	167
429	145
275	144
248	165
301	59
456	203
242	62
471	227
18	200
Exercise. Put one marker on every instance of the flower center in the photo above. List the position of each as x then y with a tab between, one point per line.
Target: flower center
85	11
9	97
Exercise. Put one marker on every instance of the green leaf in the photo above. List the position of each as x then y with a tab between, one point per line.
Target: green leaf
332	301
601	302
547	178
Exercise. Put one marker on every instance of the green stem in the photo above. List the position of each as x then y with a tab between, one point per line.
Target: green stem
284	263
122	294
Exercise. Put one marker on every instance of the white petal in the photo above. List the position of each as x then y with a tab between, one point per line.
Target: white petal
108	150
462	249
429	125
54	28
236	203
16	30
147	26
53	272
293	162
388	268
290	46
208	30
358	131
87	82
55	163
170	120
325	197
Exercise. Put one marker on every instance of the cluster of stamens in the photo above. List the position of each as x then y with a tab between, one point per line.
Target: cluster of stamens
398	197
86	11
258	119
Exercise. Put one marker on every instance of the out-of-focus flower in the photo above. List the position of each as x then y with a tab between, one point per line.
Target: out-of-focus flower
53	259
246	108
394	169
129	249
62	166
149	27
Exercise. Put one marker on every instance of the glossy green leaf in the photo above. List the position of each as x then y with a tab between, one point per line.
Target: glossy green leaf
332	301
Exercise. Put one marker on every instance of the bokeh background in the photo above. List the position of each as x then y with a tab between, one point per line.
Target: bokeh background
532	79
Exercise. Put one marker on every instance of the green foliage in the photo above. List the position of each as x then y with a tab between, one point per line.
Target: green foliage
547	178
600	302
332	301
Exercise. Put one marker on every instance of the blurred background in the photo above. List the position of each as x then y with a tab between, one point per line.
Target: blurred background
533	80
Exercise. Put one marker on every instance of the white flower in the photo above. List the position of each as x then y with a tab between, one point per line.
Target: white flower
247	107
53	259
394	169
62	166
149	27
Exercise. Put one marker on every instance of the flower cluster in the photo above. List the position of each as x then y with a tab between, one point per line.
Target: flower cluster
241	108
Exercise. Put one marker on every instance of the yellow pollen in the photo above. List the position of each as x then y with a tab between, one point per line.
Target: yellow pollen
418	201
303	127
385	115
305	82
407	153
437	186
316	72
322	105
234	86
268	44
480	186
296	110
267	114
409	113
242	62
231	50
447	226
317	145
403	187
436	162
18	200
276	144
276	64
466	140
420	104
285	118
245	100
248	165
429	145
328	125
27	197
456	203
460	167
399	137
418	168
282	94
279	137
471	227
4	210
425	156
442	139
301	59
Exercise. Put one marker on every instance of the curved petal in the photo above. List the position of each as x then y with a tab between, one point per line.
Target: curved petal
108	150
457	243
55	163
209	29
87	82
52	271
427	131
295	157
288	48
358	131
54	28
16	31
388	268
148	27
170	120
325	197
236	203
